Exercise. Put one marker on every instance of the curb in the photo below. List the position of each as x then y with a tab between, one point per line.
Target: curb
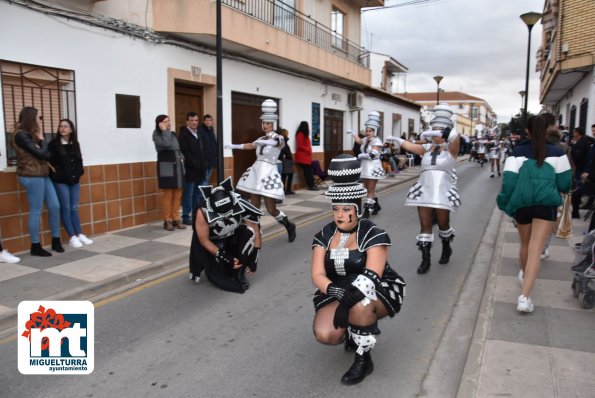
443	378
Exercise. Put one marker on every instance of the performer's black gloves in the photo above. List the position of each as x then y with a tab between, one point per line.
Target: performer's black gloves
350	298
445	133
223	258
335	291
254	259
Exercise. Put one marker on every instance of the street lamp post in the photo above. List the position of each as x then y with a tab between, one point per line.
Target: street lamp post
530	19
438	79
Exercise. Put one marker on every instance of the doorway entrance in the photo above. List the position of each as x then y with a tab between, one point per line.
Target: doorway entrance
333	135
189	98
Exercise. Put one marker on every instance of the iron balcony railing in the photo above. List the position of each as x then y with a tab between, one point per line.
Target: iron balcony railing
292	21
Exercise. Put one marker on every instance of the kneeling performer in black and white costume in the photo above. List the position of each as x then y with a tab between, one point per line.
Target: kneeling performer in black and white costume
355	284
225	238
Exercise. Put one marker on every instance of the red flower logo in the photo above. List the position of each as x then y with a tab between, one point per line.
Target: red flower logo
43	319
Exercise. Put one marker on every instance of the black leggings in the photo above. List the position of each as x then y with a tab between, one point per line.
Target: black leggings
426	219
308	176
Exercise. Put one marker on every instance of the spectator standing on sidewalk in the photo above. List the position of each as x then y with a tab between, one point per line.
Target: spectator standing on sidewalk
191	146
286	159
262	179
303	154
5	256
579	152
209	146
170	172
435	194
534	176
67	169
33	170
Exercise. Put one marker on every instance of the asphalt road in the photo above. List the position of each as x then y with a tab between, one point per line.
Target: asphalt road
177	339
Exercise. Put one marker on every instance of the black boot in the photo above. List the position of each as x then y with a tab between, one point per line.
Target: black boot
290	227
425	248
361	367
37	250
376	207
241	278
446	251
57	245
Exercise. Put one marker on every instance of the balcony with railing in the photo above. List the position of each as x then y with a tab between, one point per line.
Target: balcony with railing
300	25
270	32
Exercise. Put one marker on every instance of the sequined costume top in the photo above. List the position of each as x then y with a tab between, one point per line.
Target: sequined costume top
436	186
372	168
342	265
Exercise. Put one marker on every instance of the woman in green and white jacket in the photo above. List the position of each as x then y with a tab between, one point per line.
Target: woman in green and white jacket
534	176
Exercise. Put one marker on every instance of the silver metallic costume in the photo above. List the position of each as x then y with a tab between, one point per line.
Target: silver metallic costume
262	178
436	186
372	168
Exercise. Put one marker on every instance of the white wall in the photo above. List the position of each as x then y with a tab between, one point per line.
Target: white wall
584	89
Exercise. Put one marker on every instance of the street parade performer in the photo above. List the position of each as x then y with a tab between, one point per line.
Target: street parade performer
225	238
372	169
435	190
355	284
262	179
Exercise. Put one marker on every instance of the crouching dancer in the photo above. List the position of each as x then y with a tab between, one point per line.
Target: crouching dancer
356	286
225	238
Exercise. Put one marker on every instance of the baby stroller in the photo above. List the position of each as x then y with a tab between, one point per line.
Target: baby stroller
584	271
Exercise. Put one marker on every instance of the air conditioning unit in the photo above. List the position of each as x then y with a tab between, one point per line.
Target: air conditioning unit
355	100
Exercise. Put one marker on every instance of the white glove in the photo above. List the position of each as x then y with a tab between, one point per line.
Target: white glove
265	142
429	134
453	135
397	140
233	146
351	132
363	156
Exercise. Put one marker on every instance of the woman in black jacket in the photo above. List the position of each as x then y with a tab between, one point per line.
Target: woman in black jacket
67	169
286	159
170	172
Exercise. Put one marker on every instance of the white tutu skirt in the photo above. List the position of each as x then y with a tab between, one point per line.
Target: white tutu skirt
262	178
372	169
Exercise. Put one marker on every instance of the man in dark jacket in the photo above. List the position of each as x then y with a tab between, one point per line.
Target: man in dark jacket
209	146
579	152
191	146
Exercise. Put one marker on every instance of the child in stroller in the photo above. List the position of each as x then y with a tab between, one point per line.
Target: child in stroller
584	271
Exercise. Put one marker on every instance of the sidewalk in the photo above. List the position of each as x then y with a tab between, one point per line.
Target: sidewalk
133	256
549	353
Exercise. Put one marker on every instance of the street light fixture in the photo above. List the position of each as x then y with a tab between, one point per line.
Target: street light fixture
438	79
522	94
530	19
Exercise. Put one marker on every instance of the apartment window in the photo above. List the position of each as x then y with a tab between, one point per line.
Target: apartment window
127	111
572	118
338	28
582	115
50	90
474	112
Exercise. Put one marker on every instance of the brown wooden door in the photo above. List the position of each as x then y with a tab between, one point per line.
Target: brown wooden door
188	99
333	135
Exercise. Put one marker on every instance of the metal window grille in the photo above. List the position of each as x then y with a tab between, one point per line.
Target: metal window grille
50	90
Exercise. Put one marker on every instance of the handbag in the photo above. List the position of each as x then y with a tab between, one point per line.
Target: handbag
287	166
563	226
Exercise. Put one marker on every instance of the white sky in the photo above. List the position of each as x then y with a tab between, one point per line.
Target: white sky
479	46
